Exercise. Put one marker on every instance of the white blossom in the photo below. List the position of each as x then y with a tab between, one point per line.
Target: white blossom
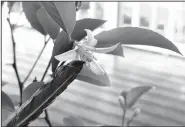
84	50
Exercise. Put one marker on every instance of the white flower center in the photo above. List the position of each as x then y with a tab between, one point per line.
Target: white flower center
85	51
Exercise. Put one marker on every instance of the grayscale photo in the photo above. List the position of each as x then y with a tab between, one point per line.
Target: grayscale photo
92	63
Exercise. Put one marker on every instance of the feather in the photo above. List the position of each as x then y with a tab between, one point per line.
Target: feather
45	95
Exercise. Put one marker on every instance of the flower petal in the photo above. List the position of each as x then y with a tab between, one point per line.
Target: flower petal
88	47
69	55
107	49
95	68
91	40
78	56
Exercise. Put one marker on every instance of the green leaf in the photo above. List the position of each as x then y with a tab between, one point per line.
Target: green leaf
61	45
136	36
87	23
73	121
49	25
50	3
67	11
43	97
30	90
63	13
135	93
7	103
87	75
5	114
52	11
30	9
62	42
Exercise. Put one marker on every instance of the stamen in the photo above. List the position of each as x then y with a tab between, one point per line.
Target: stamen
85	52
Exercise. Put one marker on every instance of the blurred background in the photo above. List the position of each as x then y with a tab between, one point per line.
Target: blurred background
142	65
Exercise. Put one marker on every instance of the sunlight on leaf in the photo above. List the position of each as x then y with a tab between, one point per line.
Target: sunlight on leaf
30	90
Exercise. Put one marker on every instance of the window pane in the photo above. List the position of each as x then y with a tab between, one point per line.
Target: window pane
179	27
84	11
99	11
162	18
183	30
160	26
145	13
127	16
183	27
85	6
125	13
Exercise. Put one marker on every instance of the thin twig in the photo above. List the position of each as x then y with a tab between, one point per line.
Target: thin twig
45	72
45	111
36	61
15	65
12	28
42	79
124	113
129	121
123	117
14	59
47	118
135	114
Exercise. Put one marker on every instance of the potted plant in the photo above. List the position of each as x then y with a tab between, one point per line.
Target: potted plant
73	57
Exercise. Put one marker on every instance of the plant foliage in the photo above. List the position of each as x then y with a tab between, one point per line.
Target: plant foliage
45	95
58	20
